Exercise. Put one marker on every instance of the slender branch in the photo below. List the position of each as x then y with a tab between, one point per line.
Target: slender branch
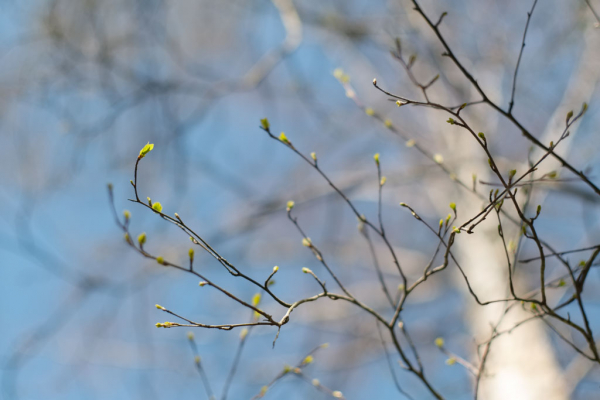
506	114
514	84
594	12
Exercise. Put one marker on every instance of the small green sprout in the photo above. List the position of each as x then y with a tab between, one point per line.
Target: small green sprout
264	122
146	149
569	116
284	138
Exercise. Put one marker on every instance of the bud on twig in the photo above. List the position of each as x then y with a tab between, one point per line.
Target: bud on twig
264	123
284	138
569	116
146	149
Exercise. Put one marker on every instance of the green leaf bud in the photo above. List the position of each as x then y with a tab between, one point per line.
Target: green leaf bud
256	299
146	149
264	122
284	138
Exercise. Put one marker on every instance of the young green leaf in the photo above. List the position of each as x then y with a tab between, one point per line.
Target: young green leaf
146	149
